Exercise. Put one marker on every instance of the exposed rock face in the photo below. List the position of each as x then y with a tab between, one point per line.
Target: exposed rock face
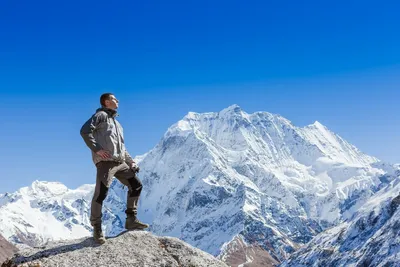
7	250
238	253
135	248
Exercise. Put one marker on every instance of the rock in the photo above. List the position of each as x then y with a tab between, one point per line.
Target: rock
7	250
134	248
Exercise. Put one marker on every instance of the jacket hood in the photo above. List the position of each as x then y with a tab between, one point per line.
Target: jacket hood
111	112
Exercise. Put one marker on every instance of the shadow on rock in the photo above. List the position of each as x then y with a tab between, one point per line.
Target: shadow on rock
18	259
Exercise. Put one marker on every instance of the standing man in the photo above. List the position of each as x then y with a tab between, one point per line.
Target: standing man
103	134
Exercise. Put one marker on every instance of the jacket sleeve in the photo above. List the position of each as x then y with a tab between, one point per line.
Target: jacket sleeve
128	159
89	127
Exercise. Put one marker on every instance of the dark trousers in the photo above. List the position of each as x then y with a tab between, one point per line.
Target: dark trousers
106	170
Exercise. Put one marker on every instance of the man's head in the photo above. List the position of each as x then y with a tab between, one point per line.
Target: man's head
108	100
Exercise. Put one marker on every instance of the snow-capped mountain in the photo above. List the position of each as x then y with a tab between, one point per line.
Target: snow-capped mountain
370	238
215	178
226	182
48	211
43	212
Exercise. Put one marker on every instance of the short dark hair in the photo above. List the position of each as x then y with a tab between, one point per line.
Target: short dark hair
105	97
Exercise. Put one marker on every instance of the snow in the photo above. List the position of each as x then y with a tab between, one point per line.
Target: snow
41	212
216	175
307	171
370	237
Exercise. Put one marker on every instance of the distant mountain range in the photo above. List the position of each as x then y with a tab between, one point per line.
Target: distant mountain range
229	183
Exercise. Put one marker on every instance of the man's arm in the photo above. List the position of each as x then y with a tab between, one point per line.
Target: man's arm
128	159
131	163
88	128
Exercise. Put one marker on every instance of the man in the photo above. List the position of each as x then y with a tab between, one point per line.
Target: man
103	134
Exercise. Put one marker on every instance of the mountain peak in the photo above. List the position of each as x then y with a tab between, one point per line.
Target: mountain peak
318	125
194	120
233	109
44	188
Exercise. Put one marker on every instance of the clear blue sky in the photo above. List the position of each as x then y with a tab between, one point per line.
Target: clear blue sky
337	62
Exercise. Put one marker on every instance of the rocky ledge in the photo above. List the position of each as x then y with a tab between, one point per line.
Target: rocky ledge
134	248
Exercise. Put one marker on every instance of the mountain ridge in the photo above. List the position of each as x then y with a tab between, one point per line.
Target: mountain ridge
370	238
218	176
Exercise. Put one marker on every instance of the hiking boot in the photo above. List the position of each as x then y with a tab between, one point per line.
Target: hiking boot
98	235
132	223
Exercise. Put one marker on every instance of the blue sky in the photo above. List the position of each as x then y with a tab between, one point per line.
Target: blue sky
335	62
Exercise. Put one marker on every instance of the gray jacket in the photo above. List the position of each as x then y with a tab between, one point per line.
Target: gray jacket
103	131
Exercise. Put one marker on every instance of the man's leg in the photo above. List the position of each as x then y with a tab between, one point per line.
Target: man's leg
105	173
129	178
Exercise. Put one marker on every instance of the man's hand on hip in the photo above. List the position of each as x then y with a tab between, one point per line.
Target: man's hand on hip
103	154
135	167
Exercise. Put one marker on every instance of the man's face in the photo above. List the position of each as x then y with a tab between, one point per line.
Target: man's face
112	102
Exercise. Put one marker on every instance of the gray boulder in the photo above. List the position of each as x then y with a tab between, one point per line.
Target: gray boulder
134	248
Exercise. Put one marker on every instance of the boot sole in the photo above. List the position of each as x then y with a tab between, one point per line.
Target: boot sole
136	228
99	242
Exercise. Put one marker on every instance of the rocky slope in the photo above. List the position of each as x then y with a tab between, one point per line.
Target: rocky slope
7	249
